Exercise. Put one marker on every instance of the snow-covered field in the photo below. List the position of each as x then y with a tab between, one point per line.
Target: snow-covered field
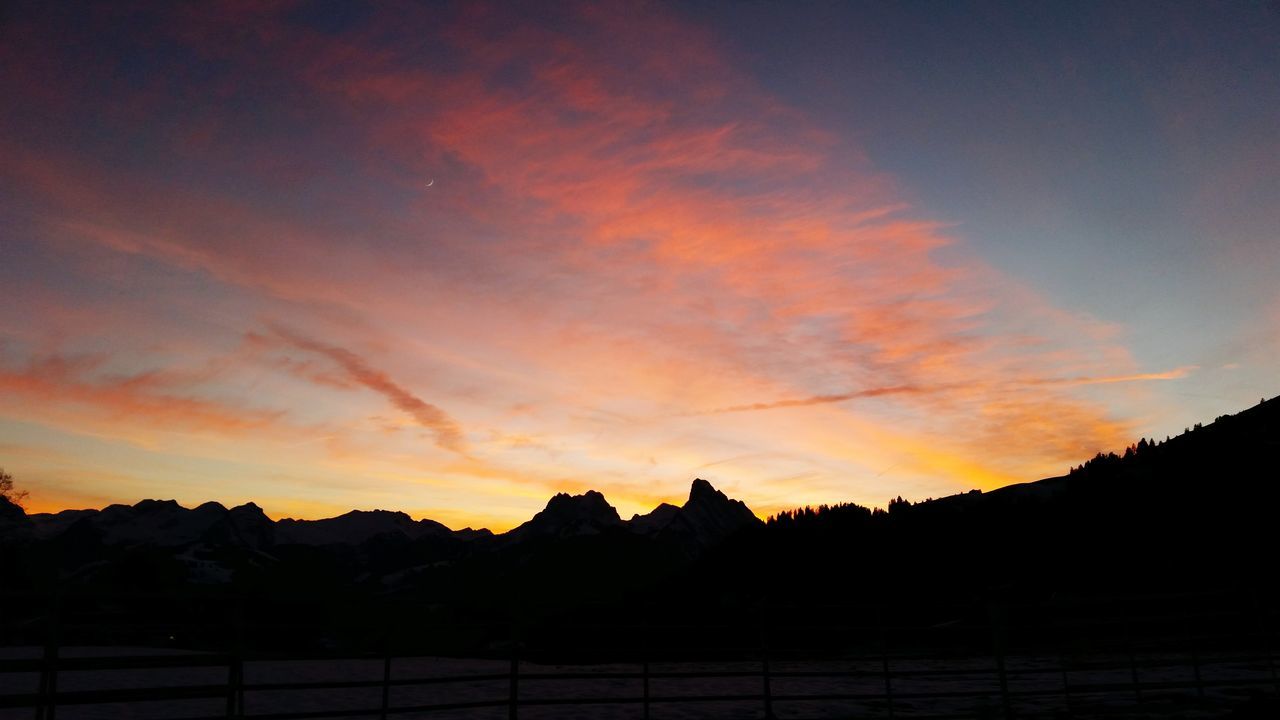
975	677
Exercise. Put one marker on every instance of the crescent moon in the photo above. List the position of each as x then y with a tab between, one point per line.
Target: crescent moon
431	182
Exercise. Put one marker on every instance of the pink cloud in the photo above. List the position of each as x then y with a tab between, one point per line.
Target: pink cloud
619	234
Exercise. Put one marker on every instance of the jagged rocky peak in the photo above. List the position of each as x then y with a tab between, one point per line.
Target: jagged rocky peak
249	525
377	516
567	515
707	517
703	494
149	506
248	509
589	505
703	491
711	515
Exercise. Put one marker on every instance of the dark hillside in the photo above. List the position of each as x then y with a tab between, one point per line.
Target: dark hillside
1194	512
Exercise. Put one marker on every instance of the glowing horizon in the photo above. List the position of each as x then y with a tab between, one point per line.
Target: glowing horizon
453	262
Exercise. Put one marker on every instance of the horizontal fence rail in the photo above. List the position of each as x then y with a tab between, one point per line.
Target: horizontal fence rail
49	701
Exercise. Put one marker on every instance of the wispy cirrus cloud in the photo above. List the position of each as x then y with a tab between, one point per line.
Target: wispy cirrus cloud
816	400
446	431
619	236
1174	374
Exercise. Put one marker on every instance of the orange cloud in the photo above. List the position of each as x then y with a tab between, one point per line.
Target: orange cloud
1174	374
142	399
619	237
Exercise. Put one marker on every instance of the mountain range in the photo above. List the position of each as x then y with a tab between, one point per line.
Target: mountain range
706	518
1192	512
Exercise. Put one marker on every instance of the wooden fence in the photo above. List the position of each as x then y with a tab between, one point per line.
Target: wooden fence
1060	658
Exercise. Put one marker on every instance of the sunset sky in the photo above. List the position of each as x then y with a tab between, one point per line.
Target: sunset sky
451	259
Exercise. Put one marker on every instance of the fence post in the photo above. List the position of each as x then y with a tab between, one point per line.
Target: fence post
1133	661
386	674
884	662
46	709
999	629
1269	643
644	669
1195	655
233	666
231	684
513	702
764	663
1267	635
1060	633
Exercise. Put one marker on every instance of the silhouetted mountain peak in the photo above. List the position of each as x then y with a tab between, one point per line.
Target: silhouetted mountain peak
565	515
702	492
654	520
707	517
393	516
712	515
153	522
248	508
589	504
246	525
356	527
152	506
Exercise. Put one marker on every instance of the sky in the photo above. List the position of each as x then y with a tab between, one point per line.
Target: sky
451	259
